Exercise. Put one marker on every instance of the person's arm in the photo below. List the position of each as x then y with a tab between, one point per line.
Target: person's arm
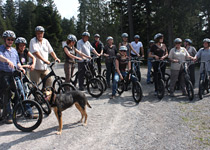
102	49
133	49
117	68
142	51
55	57
37	54
129	68
3	59
166	53
21	68
82	54
32	66
70	55
171	57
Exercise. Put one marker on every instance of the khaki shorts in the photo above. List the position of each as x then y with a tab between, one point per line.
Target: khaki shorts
35	76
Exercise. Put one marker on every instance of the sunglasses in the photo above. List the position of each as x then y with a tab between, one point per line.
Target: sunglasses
10	39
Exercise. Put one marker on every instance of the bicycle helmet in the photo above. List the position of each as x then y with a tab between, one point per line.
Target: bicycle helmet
109	38
9	33
188	40
123	48
72	38
151	41
178	40
125	35
86	34
206	40
97	35
158	35
136	37
39	28
20	40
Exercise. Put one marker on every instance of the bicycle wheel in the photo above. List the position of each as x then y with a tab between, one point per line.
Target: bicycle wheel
38	96
167	76
201	89
168	81
2	107
160	89
95	87
23	119
103	81
137	91
120	87
65	88
57	83
104	73
190	90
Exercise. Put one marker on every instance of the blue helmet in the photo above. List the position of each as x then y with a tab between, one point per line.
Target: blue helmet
136	37
158	35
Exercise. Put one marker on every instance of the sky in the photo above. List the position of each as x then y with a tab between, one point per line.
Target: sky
67	8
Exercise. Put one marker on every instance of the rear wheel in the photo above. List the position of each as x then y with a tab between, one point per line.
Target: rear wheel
120	87
160	89
137	91
190	90
95	87
103	81
3	112
168	80
65	88
57	83
201	89
24	115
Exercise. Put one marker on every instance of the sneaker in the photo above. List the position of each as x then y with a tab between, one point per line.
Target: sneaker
112	96
34	116
9	120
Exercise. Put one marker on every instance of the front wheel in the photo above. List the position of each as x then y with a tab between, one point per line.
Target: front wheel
201	89
95	87
160	89
24	115
137	91
103	81
190	90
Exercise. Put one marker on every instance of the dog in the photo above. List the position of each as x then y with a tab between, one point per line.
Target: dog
60	102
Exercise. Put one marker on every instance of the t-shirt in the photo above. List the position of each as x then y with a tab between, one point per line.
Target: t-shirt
136	47
160	52
204	55
192	51
111	51
12	55
179	54
71	51
98	45
84	47
44	48
23	57
122	62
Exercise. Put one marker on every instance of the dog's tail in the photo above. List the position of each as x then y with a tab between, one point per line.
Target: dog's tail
88	105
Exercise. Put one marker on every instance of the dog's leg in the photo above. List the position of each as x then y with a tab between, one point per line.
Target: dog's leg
85	114
59	117
81	111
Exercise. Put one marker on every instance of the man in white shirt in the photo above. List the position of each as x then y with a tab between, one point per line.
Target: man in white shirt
41	48
85	47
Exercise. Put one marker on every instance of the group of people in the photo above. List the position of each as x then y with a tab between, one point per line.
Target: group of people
40	48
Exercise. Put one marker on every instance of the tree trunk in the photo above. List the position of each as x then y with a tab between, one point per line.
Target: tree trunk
130	19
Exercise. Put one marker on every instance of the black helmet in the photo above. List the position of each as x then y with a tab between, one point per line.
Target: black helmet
9	33
20	40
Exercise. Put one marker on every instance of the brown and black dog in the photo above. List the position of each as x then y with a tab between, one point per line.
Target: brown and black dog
60	102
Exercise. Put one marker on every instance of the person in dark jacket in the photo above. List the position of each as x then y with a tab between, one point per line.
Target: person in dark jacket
99	46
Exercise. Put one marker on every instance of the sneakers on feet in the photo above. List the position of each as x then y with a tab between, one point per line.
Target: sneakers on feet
112	96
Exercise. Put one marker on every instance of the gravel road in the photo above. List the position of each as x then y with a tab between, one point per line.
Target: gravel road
121	124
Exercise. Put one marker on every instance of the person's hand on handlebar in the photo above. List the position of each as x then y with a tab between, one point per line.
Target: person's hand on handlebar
175	61
121	77
47	62
23	70
156	57
58	60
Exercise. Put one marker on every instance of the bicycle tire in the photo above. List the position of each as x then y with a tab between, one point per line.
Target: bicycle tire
137	91
95	87
120	87
201	89
168	84
17	116
104	73
3	112
38	95
103	81
160	89
65	88
57	83
190	90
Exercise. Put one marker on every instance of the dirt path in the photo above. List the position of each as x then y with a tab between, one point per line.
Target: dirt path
172	123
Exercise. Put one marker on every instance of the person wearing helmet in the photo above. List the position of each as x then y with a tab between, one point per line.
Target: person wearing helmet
70	56
128	45
9	60
138	47
85	47
41	48
110	51
122	62
159	52
149	63
204	54
99	46
178	54
192	51
24	53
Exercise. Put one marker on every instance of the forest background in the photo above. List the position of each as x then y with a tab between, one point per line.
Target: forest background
173	18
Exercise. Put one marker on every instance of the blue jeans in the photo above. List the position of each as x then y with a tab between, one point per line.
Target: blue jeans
149	66
116	80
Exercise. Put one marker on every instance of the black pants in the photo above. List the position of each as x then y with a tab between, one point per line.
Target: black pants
192	73
98	61
156	76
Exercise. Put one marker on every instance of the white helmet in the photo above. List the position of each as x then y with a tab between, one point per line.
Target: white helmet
178	40
86	34
109	38
123	48
72	37
158	35
125	35
9	33
20	40
39	28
